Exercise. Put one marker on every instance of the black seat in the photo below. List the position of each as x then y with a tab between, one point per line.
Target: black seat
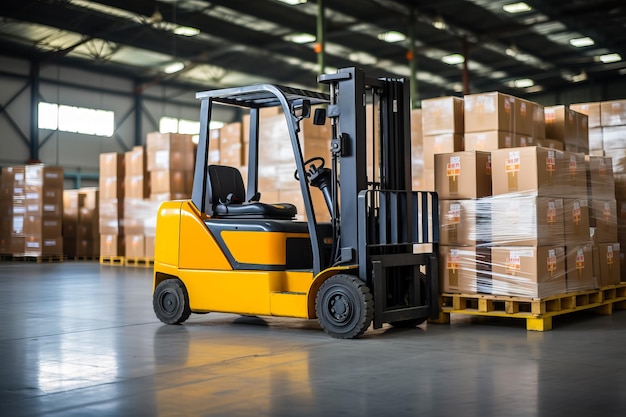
227	197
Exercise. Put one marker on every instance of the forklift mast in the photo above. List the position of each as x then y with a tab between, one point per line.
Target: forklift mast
393	238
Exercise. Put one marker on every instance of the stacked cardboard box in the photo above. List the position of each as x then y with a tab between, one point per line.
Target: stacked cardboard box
81	223
564	124
417	151
442	132
35	210
463	183
111	204
12	210
496	120
136	191
170	161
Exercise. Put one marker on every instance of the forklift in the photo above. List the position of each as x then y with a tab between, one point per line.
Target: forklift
376	260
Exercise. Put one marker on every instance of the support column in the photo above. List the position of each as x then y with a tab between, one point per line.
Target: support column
412	58
34	112
138	96
320	45
465	47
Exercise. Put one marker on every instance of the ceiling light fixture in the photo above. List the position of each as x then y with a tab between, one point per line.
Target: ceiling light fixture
293	2
453	59
392	36
175	67
300	38
439	23
186	31
581	42
523	83
519	7
608	58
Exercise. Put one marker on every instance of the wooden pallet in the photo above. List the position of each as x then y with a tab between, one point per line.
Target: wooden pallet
538	312
112	260
39	259
139	262
85	258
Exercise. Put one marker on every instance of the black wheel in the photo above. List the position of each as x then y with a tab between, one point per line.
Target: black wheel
408	323
171	302
344	306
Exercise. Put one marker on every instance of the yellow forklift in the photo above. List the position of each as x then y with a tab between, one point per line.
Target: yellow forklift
227	250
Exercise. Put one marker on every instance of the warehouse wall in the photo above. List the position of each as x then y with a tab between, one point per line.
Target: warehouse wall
76	87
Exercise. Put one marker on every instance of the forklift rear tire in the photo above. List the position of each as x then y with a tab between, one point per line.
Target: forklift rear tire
171	302
344	306
407	323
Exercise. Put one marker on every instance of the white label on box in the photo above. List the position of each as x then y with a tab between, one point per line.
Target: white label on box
18	225
454	214
51	174
580	259
50	242
19	210
559	203
551	212
162	159
49	207
453	259
551	260
50	223
32	245
18	190
32	207
19	176
454	167
522	253
513	163
32	196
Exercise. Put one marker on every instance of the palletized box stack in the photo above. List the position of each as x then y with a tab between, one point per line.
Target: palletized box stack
136	191
607	137
43	202
530	222
442	132
463	183
568	126
81	223
111	204
8	216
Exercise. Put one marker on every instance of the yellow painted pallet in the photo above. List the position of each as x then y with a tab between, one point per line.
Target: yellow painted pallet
39	259
538	312
139	262
112	260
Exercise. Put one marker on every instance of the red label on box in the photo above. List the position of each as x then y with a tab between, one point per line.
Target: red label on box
512	164
454	167
607	212
454	259
551	261
576	216
551	212
580	259
513	263
609	255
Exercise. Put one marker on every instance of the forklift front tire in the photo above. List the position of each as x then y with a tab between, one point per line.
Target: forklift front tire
344	306
171	302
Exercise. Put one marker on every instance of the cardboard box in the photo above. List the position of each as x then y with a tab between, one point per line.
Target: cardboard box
111	187
88	247
43	176
44	226
489	111
609	264
112	245
526	220
149	246
112	165
539	121
579	266
464	222
443	143
613	138
531	169
136	162
523	117
489	140
442	115
596	139
38	245
135	246
576	218
524	140
574	175
165	181
465	269
603	217
136	186
613	113
561	123
528	271
169	141
601	181
461	175
592	110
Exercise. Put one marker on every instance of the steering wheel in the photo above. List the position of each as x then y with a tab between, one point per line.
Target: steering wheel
307	162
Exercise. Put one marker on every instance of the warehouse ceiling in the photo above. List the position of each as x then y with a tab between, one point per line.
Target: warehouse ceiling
538	46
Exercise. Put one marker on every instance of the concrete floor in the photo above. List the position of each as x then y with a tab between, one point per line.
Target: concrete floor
80	339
